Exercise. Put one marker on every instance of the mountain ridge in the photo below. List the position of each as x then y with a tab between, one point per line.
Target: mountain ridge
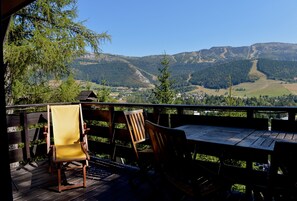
119	70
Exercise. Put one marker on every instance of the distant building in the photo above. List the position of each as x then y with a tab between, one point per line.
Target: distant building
87	96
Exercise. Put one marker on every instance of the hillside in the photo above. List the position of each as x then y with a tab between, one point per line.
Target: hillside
209	68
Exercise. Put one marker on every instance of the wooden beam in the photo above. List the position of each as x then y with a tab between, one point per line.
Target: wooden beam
6	189
7	8
4	27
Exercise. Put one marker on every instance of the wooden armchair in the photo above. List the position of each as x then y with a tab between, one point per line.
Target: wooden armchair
280	182
69	148
139	139
177	168
283	174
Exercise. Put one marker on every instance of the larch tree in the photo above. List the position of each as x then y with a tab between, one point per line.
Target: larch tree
42	41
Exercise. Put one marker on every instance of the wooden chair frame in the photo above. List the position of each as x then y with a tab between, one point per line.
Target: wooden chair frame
135	125
282	179
176	165
67	151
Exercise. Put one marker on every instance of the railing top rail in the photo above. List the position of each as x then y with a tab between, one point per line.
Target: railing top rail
177	106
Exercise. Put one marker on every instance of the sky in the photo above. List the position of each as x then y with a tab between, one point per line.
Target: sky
154	27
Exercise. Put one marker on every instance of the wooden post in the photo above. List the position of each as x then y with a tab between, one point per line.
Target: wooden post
291	116
250	114
113	146
25	135
6	189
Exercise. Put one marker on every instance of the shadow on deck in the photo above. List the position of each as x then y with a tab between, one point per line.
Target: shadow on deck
106	181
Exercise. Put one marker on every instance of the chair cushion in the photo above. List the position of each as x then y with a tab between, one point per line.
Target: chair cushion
66	124
71	152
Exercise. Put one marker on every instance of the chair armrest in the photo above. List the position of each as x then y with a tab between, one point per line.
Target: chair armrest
86	129
45	131
83	145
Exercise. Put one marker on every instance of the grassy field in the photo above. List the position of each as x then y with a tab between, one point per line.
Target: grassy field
262	86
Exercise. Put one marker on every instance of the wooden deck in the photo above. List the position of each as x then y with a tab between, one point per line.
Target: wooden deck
106	181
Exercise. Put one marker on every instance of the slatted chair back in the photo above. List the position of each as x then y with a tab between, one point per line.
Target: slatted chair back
176	166
140	141
286	157
172	157
169	145
283	170
135	125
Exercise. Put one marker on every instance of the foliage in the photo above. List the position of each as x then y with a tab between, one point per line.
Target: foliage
31	90
140	97
230	100
67	91
278	70
103	93
120	70
116	73
163	92
216	77
42	41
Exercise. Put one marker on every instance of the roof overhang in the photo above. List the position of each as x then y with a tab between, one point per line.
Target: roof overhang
8	7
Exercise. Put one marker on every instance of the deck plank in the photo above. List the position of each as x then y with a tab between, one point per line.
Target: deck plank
34	182
106	181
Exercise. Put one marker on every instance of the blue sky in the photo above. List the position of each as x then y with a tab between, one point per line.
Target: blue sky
153	27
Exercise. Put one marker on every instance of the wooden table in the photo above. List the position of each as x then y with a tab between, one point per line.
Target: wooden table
241	138
244	144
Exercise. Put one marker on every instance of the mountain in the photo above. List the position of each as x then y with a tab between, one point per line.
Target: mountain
211	68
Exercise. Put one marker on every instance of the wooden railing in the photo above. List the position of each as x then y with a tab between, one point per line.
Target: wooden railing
108	136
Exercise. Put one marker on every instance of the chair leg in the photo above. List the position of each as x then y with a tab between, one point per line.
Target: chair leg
50	166
62	179
84	175
59	177
14	184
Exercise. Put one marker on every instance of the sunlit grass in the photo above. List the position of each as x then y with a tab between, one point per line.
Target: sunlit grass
261	87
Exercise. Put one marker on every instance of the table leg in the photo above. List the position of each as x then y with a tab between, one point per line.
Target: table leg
249	167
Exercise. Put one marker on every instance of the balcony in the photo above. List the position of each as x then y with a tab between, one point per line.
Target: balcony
112	162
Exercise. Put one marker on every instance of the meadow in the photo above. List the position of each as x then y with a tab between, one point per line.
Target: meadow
261	87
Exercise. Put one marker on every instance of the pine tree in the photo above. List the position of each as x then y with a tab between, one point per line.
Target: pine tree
230	100
163	92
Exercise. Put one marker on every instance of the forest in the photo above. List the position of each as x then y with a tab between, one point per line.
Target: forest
209	75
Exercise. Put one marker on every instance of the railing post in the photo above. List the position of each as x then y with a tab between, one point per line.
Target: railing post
250	114
156	115
25	135
112	132
291	115
180	111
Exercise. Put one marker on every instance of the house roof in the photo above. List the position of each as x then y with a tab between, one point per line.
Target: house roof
86	96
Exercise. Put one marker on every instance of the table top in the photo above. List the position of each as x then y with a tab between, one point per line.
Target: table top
240	137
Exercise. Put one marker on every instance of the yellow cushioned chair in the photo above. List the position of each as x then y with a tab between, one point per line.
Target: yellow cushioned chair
69	148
